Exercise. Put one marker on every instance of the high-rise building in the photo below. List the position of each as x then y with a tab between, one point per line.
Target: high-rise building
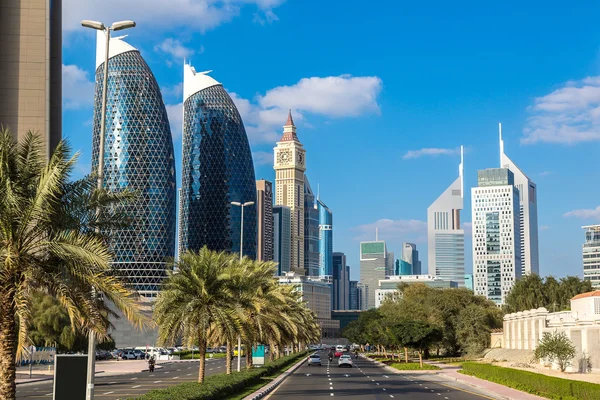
341	282
264	208
445	237
289	187
311	232
469	281
591	255
362	292
374	266
31	68
496	234
217	169
325	240
409	263
138	156
282	238
353	295
527	213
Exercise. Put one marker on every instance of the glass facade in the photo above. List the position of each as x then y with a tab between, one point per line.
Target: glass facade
138	156
325	239
217	170
311	231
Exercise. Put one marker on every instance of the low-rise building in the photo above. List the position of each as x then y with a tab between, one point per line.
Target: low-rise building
388	288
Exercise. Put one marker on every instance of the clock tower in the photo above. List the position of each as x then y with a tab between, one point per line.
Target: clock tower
289	188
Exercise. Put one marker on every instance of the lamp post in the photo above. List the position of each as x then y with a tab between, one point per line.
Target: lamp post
116	26
242	205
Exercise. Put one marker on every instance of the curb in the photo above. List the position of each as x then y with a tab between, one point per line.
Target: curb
260	393
486	391
49	378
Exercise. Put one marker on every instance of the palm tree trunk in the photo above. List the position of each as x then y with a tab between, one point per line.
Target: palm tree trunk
228	358
248	356
202	354
8	349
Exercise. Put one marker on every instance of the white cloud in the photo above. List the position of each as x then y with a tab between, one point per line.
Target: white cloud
434	152
175	113
568	115
546	173
391	229
78	89
176	50
262	157
585	213
173	91
162	15
333	96
544	228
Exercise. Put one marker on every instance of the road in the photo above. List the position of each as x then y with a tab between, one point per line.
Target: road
131	385
368	381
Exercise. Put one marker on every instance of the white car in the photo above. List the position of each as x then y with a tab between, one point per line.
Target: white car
345	361
314	359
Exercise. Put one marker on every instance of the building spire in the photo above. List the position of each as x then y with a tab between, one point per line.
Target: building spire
501	142
461	171
290	121
289	130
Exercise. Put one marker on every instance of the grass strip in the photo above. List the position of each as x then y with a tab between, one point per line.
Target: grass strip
413	366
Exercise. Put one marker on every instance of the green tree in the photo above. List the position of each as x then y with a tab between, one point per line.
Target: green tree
473	329
38	254
418	335
555	347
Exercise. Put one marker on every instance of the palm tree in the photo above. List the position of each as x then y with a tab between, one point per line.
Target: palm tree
39	255
197	300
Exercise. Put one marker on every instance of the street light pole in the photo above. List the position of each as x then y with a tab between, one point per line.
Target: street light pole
242	205
91	361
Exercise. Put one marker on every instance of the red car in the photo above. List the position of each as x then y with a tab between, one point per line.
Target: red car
338	353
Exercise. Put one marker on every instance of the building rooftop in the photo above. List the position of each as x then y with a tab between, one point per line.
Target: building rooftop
289	130
595	293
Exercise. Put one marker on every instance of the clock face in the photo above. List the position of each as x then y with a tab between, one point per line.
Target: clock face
283	157
301	158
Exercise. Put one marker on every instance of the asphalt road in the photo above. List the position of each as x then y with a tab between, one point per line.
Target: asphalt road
368	381
131	385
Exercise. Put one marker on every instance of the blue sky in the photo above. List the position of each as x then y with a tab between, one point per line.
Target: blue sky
383	94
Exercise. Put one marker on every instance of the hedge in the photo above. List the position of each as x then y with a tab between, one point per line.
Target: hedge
220	386
187	355
413	366
538	384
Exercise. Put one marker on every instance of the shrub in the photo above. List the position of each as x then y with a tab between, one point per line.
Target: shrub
220	386
187	355
543	385
413	366
557	347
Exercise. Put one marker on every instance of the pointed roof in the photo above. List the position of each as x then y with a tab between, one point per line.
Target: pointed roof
289	130
117	46
194	81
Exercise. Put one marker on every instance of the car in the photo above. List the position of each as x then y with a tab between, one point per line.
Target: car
339	348
314	359
128	355
345	361
338	353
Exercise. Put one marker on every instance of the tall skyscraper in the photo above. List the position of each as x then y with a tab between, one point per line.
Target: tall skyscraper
591	255
311	231
282	238
326	240
445	237
264	207
217	169
31	68
496	234
409	262
353	295
138	156
341	282
289	188
374	266
527	211
362	292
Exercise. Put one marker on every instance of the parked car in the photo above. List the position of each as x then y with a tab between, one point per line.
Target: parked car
345	361
128	355
314	359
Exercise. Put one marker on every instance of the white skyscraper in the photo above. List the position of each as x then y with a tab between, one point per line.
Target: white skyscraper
527	211
445	237
496	234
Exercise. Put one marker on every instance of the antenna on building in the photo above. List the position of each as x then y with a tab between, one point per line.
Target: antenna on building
461	171
318	191
501	142
376	234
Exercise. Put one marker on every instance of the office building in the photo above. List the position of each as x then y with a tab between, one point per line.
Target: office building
31	69
282	238
496	234
264	209
375	265
409	264
311	232
289	187
388	288
325	239
445	237
528	221
217	170
341	282
138	157
362	291
469	281
591	255
345	317
353	295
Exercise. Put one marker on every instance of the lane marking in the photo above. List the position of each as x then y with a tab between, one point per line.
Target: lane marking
385	376
179	370
133	379
136	386
466	391
111	383
151	375
108	393
391	396
384	389
189	374
175	377
157	381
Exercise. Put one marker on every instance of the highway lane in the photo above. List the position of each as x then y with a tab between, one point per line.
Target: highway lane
368	381
135	384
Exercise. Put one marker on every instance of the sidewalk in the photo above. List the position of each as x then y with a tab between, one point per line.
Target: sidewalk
451	372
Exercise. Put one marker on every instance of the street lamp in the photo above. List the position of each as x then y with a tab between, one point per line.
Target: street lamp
116	26
242	205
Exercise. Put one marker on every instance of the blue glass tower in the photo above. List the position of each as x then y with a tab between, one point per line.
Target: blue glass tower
217	170
138	156
325	239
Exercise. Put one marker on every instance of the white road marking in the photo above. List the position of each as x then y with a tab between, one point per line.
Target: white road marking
152	375
391	396
189	367
108	393
331	394
189	374
179	370
384	389
385	376
377	383
111	383
166	372
157	381
446	398
133	379
136	386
